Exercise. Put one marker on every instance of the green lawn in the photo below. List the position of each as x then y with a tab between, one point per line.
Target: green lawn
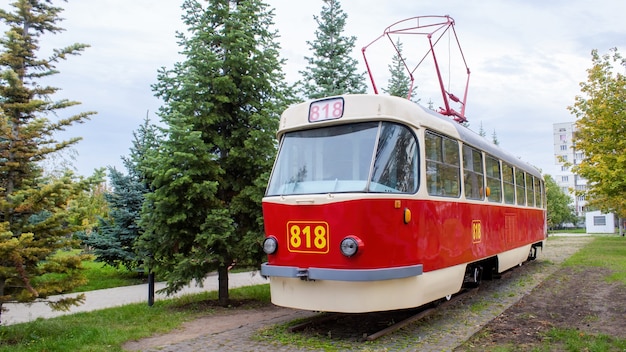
604	251
100	276
577	230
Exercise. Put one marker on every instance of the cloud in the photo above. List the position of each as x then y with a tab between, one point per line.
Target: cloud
526	60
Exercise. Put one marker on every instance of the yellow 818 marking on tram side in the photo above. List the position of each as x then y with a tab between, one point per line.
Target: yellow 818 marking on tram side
308	236
476	231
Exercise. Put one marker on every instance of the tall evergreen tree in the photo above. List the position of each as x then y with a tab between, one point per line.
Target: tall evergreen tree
221	112
483	133
494	138
481	130
331	70
114	238
400	82
116	235
34	208
146	140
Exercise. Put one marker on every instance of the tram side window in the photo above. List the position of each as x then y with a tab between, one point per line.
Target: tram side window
494	181
520	190
530	190
395	168
544	200
442	165
509	184
473	178
538	193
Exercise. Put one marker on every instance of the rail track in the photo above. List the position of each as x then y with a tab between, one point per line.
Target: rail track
391	320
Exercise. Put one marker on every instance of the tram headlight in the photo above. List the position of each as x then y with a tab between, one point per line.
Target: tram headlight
270	245
350	246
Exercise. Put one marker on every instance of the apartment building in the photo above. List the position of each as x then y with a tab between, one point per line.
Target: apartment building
565	153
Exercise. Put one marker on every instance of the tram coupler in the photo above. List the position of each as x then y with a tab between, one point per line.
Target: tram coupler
303	274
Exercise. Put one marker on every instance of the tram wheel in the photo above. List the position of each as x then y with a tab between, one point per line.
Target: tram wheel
473	275
533	253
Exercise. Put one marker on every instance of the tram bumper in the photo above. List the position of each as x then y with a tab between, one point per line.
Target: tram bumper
268	270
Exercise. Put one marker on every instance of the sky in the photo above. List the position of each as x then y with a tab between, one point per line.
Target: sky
526	57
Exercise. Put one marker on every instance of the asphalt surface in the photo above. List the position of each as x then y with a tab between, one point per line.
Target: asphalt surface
113	297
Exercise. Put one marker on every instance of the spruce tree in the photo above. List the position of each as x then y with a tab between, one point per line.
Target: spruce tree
221	110
34	209
494	138
115	238
400	81
481	130
331	70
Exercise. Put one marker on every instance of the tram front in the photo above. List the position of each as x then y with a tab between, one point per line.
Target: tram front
339	229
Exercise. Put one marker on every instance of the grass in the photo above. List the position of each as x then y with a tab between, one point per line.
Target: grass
104	330
479	305
108	329
280	334
575	230
574	340
606	252
100	276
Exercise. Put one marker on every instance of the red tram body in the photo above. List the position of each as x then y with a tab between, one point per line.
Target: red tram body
376	203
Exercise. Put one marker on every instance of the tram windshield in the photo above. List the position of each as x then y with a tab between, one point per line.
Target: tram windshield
361	157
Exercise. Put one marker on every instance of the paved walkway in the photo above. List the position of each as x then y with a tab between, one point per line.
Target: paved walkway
112	297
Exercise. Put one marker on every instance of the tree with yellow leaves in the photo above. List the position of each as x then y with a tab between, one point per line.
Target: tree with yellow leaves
601	132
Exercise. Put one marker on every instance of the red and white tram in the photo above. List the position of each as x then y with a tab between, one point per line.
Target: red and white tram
376	203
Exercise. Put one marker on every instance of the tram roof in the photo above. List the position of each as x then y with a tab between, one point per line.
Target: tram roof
368	107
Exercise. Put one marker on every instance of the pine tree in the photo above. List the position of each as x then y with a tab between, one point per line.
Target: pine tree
400	82
331	70
221	110
34	208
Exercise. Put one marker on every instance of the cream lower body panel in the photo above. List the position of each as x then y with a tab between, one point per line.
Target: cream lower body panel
513	257
366	296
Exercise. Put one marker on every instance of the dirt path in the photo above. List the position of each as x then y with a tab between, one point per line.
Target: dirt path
232	330
572	298
223	321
